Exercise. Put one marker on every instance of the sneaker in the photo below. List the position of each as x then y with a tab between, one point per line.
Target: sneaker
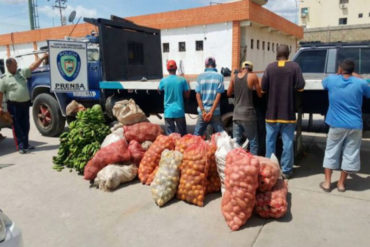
22	151
287	175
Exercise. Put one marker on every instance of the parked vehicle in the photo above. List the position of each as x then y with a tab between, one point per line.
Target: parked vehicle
10	234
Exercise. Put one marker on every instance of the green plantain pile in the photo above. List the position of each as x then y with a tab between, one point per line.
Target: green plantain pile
80	143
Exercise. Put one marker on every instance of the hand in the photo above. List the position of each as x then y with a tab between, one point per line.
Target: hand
45	56
204	116
209	116
1	110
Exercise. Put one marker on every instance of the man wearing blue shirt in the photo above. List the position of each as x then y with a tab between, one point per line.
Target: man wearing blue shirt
209	87
344	117
174	87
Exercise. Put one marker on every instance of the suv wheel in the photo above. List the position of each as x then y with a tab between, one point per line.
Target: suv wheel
47	116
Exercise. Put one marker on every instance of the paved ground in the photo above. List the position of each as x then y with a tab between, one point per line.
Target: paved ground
60	209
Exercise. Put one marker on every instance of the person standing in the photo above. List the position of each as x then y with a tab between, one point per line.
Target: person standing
344	117
244	117
209	87
14	85
280	81
175	88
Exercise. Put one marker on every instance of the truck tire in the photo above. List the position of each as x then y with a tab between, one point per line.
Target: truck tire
47	116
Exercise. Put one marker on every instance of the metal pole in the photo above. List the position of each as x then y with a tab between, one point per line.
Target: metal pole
31	15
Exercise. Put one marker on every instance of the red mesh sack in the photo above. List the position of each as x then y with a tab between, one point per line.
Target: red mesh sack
137	151
194	171
273	204
213	179
142	132
241	183
187	140
268	174
116	152
152	157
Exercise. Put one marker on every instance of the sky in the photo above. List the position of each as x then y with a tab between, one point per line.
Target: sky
14	13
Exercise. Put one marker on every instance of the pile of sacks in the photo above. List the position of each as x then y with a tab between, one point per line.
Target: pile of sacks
120	154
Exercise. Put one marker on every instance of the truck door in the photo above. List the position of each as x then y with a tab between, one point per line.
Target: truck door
94	68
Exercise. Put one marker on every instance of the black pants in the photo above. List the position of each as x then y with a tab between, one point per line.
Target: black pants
21	122
180	124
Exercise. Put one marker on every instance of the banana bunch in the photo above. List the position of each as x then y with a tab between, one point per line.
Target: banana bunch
83	139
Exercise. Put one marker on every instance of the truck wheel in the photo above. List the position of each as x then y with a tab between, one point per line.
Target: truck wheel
47	116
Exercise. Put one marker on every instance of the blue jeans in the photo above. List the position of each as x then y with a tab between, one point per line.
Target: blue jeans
249	128
201	125
287	135
180	124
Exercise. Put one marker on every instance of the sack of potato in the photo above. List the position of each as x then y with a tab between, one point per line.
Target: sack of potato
194	172
241	183
213	179
273	204
187	140
268	174
142	132
150	161
166	180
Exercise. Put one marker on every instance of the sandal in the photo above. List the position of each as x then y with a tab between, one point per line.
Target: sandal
323	188
341	189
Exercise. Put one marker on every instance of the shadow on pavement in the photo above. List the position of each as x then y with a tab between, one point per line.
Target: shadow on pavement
7	146
357	183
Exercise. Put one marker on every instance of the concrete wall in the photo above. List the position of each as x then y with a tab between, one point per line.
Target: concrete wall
217	42
326	13
334	34
262	57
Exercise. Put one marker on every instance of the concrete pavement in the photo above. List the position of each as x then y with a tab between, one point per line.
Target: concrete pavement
60	209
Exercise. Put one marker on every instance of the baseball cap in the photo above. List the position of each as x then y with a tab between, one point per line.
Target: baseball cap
171	65
210	61
247	64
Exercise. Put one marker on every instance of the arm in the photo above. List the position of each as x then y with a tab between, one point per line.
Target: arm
201	107
187	90
37	63
230	90
265	82
254	83
1	102
300	83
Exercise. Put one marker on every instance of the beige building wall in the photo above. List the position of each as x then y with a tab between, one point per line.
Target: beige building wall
327	13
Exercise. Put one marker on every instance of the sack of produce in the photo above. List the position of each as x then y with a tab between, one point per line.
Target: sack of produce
187	140
241	183
114	153
273	204
116	125
113	137
224	145
213	179
194	172
268	174
111	176
83	139
166	180
137	152
142	132
73	108
146	145
128	112
150	161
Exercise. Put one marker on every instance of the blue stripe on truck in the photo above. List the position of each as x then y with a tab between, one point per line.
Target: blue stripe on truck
110	85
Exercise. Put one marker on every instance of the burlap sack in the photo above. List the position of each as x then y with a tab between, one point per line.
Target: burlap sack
128	112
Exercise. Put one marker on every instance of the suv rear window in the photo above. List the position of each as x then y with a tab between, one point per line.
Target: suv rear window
312	61
361	57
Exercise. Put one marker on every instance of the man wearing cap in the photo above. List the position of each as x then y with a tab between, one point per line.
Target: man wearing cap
244	117
175	88
14	85
209	87
281	80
